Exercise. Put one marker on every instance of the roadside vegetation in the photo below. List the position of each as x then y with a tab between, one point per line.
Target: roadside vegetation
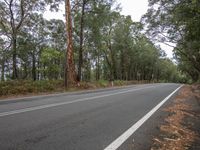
20	88
181	128
176	23
96	45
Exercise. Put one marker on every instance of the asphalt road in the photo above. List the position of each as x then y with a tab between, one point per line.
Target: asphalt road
82	121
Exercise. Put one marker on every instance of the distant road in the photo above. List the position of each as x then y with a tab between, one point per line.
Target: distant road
84	121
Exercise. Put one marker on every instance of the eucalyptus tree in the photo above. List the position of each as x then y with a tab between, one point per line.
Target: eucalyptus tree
80	20
97	17
70	72
36	38
14	15
44	38
55	49
123	44
88	19
109	51
176	23
2	58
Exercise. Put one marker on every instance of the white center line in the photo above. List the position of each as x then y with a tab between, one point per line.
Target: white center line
8	113
122	138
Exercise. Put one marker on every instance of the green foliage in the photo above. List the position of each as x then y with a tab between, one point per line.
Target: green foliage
114	48
119	83
53	56
102	83
177	23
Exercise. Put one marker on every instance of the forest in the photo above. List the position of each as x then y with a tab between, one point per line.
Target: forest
96	43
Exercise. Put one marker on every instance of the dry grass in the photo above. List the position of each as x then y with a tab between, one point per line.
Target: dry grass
21	88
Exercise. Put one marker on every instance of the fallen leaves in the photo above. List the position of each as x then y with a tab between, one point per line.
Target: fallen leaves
175	133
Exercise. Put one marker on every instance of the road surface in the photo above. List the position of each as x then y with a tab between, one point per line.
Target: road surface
97	120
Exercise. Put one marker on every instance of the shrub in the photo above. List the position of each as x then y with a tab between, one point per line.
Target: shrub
27	86
119	83
102	83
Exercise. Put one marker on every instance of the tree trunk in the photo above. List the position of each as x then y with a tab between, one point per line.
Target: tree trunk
98	68
38	68
70	73
25	74
3	70
122	67
14	47
81	42
33	67
113	63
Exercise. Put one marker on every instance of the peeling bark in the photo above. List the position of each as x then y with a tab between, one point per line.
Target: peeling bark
70	73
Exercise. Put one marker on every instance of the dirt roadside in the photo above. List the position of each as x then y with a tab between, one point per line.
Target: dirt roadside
181	128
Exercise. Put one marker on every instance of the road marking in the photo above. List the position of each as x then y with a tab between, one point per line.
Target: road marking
66	103
122	138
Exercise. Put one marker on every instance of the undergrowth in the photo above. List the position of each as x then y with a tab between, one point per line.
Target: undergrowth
23	87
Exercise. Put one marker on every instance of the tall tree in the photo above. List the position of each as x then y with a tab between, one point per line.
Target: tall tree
80	63
176	23
70	72
13	16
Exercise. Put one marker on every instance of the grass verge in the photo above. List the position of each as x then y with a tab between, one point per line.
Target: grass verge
18	88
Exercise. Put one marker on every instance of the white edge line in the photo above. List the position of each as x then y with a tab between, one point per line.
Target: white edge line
122	138
8	113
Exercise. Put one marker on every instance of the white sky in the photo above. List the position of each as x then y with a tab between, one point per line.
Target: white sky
134	8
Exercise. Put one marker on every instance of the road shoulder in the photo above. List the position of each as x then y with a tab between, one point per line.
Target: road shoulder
181	127
174	126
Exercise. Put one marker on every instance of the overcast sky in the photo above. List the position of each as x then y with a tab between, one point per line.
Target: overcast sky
134	8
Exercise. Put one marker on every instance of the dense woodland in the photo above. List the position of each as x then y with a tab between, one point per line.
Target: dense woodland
96	42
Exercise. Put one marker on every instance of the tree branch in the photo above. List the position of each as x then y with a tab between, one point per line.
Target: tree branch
12	22
22	14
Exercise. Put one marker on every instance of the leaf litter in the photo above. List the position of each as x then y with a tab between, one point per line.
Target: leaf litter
177	133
